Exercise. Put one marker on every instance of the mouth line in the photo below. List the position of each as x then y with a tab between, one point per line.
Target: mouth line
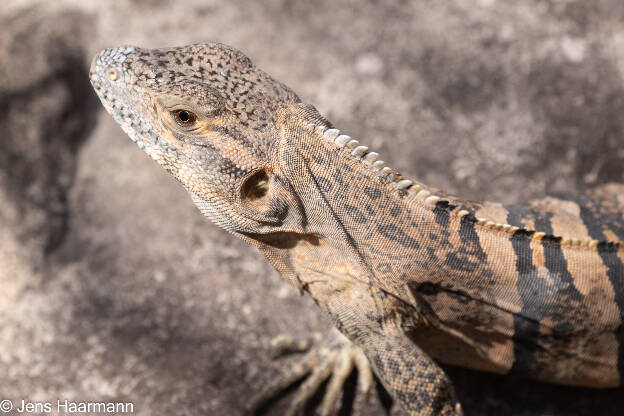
147	138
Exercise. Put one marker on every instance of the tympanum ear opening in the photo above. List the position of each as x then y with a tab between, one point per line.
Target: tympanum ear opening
265	198
255	187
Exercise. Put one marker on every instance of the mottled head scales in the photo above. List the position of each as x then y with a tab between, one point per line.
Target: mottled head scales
204	112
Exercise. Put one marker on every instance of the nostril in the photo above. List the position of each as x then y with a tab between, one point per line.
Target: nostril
112	74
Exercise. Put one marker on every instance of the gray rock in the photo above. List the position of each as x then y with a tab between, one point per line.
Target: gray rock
114	286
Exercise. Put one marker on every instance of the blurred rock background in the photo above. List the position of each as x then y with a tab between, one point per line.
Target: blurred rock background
112	285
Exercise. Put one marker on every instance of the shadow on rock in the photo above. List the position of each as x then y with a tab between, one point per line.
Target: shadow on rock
47	108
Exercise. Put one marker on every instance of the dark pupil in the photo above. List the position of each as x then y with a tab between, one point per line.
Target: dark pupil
184	116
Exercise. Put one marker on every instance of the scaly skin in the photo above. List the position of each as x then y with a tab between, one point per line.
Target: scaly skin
406	275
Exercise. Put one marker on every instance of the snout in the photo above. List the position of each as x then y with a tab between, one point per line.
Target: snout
107	66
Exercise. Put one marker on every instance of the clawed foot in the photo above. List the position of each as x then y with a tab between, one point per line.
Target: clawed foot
331	355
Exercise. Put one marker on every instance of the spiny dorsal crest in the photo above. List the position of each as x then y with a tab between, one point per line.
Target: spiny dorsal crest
405	186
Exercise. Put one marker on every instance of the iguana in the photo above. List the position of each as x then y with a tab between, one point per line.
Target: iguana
407	274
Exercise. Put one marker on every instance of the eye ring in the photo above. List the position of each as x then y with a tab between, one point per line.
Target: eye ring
184	118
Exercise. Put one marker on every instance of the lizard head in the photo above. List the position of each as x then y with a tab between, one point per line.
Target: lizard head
207	115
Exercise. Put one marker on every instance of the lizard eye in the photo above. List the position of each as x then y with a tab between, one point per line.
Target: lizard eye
184	118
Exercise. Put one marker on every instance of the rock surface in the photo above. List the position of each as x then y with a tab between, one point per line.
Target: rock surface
114	286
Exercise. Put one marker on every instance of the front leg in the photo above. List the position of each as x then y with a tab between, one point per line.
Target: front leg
411	377
378	323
